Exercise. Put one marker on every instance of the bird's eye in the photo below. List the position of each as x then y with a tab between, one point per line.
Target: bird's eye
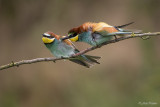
73	35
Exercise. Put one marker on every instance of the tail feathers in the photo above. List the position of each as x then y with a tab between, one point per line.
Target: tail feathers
83	63
122	33
127	30
130	30
92	59
95	57
119	33
121	26
86	60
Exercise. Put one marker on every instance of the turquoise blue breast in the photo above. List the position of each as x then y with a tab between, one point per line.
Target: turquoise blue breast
60	49
93	38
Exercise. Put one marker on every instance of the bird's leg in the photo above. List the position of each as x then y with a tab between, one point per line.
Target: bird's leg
62	57
116	39
54	61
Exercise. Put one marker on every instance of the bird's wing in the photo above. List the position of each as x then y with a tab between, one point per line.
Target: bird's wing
119	33
68	42
107	31
130	30
104	28
122	26
111	31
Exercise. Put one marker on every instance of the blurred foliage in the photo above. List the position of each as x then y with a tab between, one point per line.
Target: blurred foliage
129	72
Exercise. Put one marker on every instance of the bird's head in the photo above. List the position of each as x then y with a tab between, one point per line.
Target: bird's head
74	33
49	37
73	36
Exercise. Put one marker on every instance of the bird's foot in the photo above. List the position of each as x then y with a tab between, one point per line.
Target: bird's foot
116	39
62	57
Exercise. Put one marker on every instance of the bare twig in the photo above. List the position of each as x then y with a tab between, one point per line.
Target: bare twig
12	64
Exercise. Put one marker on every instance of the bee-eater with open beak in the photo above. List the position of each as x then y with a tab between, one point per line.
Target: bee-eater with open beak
66	48
96	33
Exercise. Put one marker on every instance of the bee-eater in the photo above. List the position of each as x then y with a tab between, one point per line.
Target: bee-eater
96	33
66	48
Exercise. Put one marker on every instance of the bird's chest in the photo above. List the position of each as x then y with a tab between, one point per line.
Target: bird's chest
92	38
99	38
86	37
61	49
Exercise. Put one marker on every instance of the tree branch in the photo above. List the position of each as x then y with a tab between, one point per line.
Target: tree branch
12	64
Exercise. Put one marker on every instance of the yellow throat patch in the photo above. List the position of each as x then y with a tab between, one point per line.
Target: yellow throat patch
74	39
47	40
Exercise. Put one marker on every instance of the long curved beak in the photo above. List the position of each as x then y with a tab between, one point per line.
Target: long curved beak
67	37
43	34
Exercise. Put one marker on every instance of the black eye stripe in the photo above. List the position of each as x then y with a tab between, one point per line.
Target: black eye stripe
48	36
73	35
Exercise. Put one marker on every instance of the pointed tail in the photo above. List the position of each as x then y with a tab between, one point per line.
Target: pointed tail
86	60
121	26
127	31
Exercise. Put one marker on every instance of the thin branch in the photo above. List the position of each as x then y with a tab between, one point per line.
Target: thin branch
12	64
117	40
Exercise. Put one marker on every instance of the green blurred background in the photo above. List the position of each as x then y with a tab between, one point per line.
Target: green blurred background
129	73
